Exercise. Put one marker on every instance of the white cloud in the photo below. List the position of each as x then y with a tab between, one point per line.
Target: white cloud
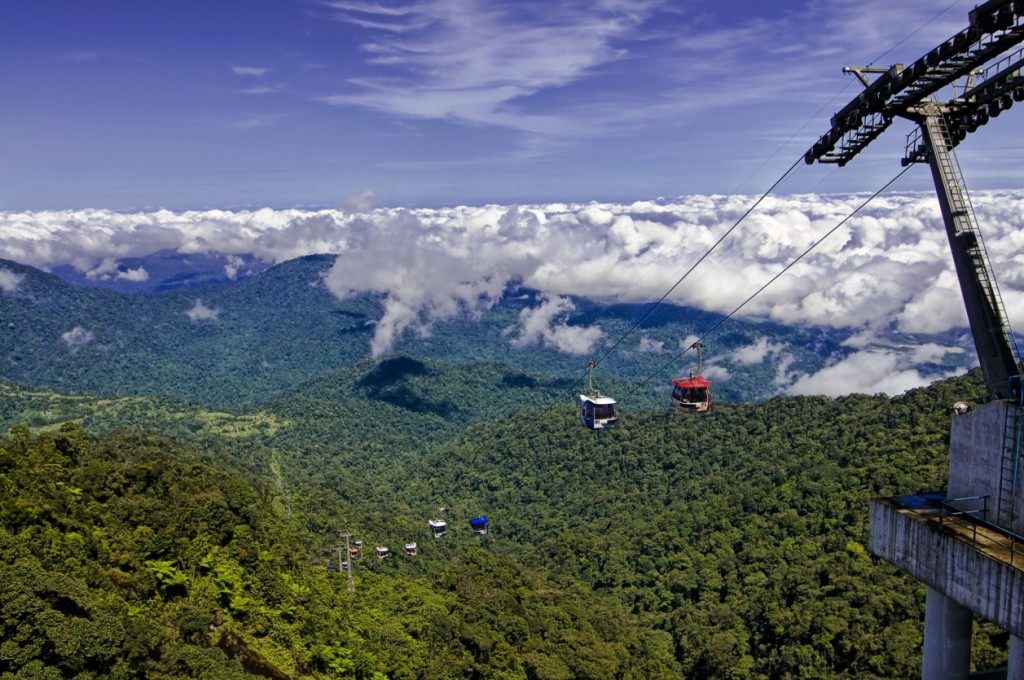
472	61
200	312
360	202
137	275
76	338
649	345
757	352
103	271
930	352
107	269
423	275
9	281
250	121
866	372
249	70
494	63
546	325
233	266
887	268
715	372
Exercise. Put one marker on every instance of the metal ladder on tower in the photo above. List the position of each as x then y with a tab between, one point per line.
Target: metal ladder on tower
965	229
962	214
1009	466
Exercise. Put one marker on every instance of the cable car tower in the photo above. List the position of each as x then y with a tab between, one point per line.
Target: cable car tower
984	65
995	28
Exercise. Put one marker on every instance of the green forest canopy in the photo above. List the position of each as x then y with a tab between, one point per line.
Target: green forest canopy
727	545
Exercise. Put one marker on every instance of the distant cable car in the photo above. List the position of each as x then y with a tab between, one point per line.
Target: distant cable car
596	412
479	525
382	552
693	394
438	527
410	548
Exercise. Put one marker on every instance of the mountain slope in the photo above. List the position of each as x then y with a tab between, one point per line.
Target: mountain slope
742	533
127	557
230	346
737	537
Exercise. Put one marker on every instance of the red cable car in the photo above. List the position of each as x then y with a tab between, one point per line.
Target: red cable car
693	394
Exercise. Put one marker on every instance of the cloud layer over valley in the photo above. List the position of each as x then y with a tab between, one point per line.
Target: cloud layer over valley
887	269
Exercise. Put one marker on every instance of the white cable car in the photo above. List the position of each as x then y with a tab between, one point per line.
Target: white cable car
382	552
596	412
693	394
438	527
410	548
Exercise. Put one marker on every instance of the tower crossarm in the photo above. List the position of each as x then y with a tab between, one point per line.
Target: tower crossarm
995	27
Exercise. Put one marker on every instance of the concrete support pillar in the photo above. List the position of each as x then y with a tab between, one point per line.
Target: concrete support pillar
947	638
1015	664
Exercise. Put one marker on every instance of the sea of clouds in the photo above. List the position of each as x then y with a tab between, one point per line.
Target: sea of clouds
886	269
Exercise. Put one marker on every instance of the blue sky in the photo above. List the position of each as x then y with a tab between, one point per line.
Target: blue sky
180	104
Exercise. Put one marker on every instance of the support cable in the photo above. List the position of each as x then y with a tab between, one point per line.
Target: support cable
701	259
910	35
770	282
650	310
690	270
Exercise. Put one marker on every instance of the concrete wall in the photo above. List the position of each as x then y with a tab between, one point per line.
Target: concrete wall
975	459
989	588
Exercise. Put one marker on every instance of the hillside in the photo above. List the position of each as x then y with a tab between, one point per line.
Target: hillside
731	544
127	557
230	347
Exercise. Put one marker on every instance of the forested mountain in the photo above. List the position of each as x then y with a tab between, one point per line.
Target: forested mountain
725	545
233	346
180	466
127	557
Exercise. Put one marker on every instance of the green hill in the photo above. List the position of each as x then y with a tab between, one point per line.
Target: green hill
726	545
229	347
128	557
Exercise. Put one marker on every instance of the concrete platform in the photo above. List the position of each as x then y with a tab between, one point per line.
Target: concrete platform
971	565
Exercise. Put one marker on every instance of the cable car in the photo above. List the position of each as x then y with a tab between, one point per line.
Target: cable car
693	394
382	552
596	412
479	525
410	548
438	527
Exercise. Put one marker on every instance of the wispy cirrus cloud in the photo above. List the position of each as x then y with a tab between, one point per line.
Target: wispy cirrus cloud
249	70
250	121
555	70
79	55
474	62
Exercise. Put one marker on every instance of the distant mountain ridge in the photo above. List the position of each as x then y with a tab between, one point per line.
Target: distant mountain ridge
229	345
162	271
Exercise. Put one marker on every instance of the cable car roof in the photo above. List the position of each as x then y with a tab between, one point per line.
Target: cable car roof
694	382
600	401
